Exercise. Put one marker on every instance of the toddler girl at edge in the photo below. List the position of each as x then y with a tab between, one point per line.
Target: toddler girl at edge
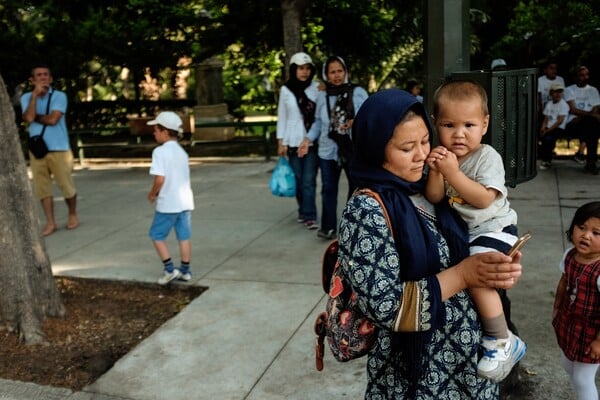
576	314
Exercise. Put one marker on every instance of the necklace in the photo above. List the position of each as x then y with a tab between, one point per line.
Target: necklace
424	208
426	215
573	294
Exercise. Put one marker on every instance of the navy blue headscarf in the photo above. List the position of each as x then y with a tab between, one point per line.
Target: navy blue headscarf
417	247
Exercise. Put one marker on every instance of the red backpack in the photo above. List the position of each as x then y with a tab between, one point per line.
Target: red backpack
350	334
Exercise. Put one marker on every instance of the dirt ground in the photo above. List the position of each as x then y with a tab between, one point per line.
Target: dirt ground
104	321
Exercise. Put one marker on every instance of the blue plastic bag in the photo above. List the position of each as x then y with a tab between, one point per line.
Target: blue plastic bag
283	181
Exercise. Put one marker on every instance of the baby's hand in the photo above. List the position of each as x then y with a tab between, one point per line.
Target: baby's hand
448	164
436	154
594	350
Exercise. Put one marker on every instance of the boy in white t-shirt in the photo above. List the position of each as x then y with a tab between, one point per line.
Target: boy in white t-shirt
172	192
555	120
549	78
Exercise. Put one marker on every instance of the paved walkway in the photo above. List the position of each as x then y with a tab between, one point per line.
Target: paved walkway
250	335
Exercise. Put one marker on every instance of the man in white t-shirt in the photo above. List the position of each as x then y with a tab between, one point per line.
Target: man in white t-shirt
549	78
584	118
553	125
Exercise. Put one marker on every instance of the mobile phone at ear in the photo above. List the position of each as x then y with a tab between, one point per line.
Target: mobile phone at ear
519	244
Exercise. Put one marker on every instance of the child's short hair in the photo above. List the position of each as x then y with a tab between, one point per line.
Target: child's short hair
172	132
548	62
583	213
460	90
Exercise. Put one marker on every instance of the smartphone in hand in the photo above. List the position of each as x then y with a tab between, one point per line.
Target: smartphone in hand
519	244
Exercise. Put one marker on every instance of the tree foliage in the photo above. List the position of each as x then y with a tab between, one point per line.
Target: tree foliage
94	42
538	30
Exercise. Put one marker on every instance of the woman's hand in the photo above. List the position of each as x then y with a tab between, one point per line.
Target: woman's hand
281	149
493	269
303	147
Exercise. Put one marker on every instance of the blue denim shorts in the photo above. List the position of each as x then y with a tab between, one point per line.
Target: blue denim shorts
164	222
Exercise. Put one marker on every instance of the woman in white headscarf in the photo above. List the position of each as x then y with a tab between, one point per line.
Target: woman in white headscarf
295	116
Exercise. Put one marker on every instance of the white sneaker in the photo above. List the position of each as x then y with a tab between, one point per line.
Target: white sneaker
168	277
184	276
500	356
579	158
544	165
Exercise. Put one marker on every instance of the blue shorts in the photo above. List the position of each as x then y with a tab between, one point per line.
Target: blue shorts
164	222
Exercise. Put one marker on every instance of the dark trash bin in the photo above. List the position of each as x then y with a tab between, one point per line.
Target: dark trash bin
512	102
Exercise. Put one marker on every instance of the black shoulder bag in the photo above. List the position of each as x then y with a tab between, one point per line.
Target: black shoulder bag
343	111
37	145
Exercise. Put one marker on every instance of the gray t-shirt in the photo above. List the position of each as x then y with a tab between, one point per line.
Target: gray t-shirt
486	167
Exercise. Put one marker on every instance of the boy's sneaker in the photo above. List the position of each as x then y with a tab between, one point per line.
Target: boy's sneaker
168	277
579	158
544	165
330	234
300	219
310	224
185	276
500	356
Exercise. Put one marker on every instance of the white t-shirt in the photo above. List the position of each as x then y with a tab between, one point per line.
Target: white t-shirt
585	98
544	86
172	162
486	167
554	110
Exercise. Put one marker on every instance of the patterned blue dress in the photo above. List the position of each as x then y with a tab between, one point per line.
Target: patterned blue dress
370	259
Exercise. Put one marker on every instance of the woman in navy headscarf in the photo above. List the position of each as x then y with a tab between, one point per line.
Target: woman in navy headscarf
412	284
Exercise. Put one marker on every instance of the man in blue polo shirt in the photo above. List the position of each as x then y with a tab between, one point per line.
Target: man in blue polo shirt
44	110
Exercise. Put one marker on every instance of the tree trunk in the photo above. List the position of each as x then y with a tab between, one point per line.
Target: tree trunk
28	292
292	12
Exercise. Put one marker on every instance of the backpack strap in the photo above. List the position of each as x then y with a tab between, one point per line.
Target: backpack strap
329	265
377	197
320	346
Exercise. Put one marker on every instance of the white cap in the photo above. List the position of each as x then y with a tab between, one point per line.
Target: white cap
301	59
169	120
498	62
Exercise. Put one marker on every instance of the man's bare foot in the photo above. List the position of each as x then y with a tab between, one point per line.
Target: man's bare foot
73	222
49	230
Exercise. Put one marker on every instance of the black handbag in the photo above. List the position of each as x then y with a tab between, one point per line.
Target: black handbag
36	144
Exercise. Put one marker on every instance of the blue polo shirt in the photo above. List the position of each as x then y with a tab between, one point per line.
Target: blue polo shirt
55	136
